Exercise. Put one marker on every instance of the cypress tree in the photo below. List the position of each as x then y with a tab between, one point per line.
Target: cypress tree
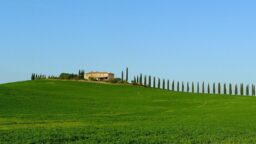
173	85
137	79
187	86
168	85
154	82
253	90
159	83
198	87
122	76
140	79
149	81
219	88
247	90
134	80
32	76
163	83
230	89
127	74
193	87
203	87
178	86
236	89
225	89
182	87
145	81
241	89
208	89
213	88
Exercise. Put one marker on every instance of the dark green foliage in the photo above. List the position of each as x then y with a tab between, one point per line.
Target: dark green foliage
236	89
149	81
163	83
141	79
203	87
81	74
122	76
247	90
168	85
219	88
241	89
230	89
253	90
159	83
68	76
225	89
187	86
173	85
178	86
193	87
198	87
145	81
182	87
213	88
137	79
33	76
127	75
154	82
208	89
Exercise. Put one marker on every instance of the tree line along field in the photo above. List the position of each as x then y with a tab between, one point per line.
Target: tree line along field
53	111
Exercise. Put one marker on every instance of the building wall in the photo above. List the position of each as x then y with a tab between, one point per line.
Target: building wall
99	76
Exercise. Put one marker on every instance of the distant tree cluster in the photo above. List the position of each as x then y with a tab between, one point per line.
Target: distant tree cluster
35	76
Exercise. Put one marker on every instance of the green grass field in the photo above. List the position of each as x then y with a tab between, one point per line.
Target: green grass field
45	111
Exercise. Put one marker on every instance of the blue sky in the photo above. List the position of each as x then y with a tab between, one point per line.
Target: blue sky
181	40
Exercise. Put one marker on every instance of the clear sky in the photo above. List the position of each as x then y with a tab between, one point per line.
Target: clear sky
189	40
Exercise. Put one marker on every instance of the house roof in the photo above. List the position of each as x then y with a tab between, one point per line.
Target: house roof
99	73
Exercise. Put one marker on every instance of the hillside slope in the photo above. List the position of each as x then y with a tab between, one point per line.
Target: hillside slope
47	111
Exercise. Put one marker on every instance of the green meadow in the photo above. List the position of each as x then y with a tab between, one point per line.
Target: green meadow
47	111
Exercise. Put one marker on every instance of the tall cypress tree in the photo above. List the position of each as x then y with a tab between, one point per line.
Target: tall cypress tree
137	79
149	81
145	81
187	86
163	83
198	87
127	74
208	89
154	82
203	87
178	86
173	85
122	76
134	80
253	90
168	85
213	88
219	88
140	79
241	89
247	90
230	89
193	87
182	87
33	76
236	89
225	89
159	83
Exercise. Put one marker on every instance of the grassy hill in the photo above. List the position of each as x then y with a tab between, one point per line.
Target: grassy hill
47	111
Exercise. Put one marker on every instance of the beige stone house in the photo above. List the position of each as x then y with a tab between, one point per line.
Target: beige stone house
100	76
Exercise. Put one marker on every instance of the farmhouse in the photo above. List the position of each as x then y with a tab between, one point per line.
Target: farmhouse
100	76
